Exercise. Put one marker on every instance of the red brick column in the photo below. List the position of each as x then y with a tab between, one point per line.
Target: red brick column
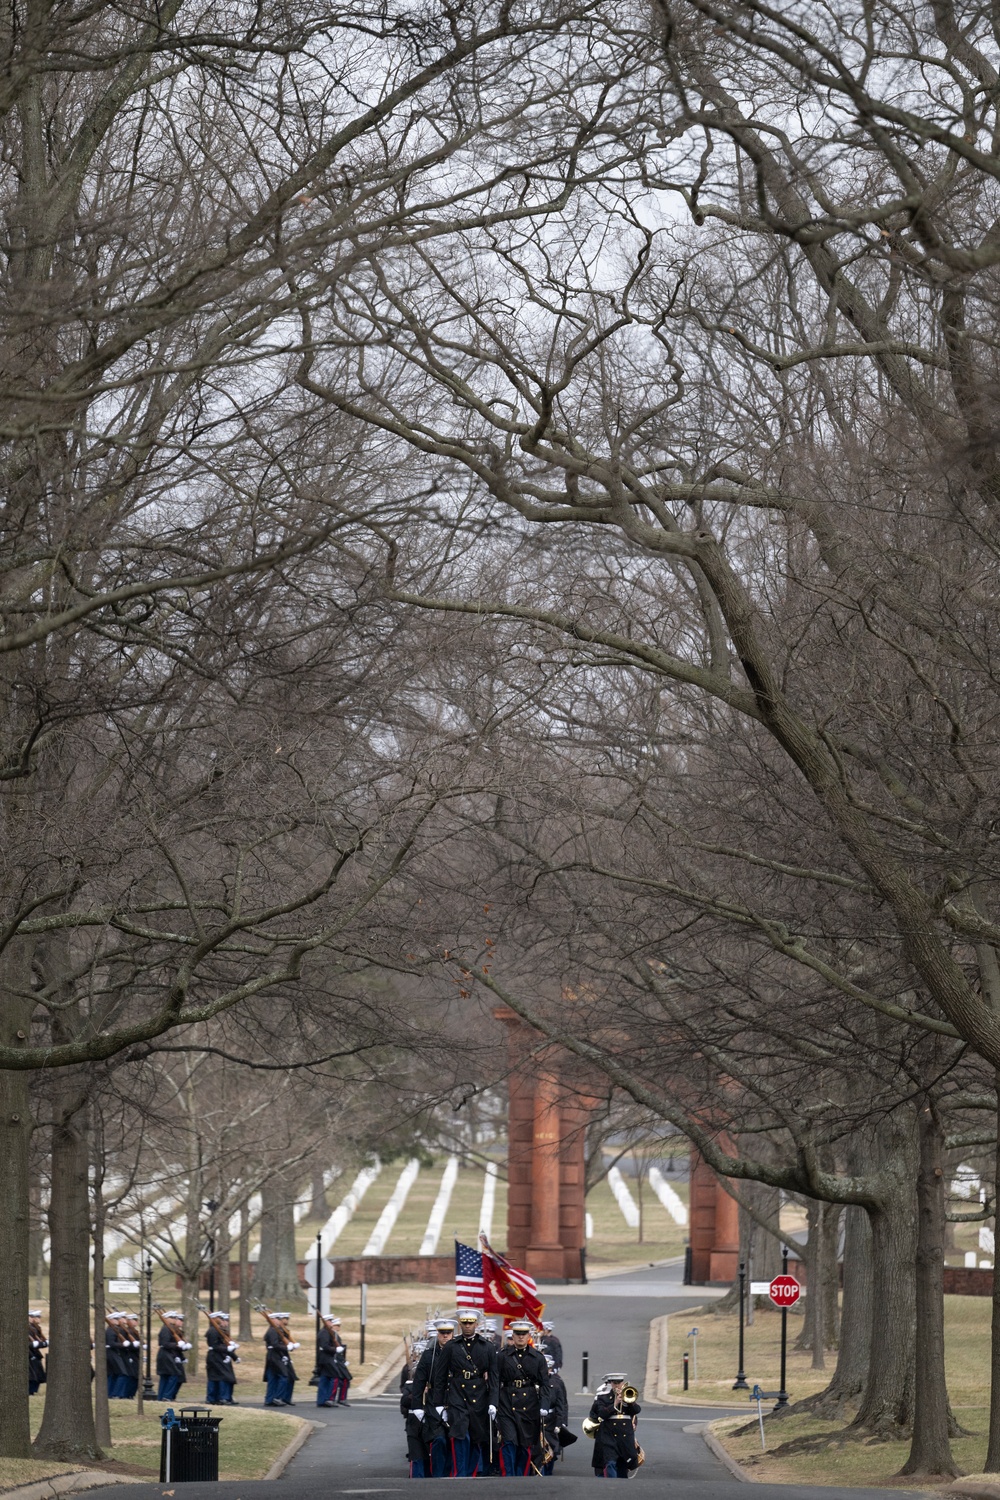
547	1118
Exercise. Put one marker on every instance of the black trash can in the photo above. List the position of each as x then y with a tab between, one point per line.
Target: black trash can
189	1445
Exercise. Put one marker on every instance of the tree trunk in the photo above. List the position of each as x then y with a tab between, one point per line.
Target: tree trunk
811	1335
67	1431
993	1448
886	1408
276	1280
851	1375
246	1327
319	1206
223	1247
102	1407
930	1450
830	1233
15	1220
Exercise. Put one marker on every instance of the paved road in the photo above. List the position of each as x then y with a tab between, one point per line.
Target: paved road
361	1451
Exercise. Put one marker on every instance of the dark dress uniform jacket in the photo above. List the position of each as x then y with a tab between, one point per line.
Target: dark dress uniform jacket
36	1362
327	1362
559	1413
218	1360
422	1397
130	1354
277	1359
416	1449
170	1355
615	1438
524	1391
114	1352
465	1381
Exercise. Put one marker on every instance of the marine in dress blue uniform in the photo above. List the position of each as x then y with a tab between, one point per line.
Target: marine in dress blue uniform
616	1452
434	1422
219	1361
524	1402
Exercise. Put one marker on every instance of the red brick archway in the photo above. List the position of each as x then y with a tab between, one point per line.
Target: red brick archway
714	1226
547	1120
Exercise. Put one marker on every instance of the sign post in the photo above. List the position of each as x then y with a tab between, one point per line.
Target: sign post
784	1292
364	1318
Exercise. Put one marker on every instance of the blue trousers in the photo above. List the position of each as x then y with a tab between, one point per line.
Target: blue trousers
324	1391
467	1457
130	1384
275	1387
417	1470
287	1390
515	1461
441	1459
616	1469
219	1393
168	1388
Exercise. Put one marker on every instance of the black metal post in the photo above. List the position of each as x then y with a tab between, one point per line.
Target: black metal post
740	1384
586	1372
687	1265
364	1316
685	1372
319	1323
783	1394
147	1384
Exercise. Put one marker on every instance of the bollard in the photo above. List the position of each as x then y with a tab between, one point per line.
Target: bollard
685	1372
584	1388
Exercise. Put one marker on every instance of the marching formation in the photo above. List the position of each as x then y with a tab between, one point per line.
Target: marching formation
473	1405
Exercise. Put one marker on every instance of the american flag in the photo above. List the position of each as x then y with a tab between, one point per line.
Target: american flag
468	1276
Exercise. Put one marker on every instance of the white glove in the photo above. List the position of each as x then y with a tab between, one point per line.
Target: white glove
232	1348
136	1344
35	1344
226	1360
295	1346
442	1412
492	1410
545	1411
418	1412
184	1346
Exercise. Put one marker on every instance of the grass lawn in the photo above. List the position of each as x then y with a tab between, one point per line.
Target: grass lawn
833	1460
18	1471
249	1442
613	1243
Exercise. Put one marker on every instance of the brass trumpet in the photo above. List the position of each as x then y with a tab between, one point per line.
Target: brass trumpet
629	1393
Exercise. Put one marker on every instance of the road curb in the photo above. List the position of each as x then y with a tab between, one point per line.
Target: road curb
715	1447
375	1383
69	1484
656	1386
289	1451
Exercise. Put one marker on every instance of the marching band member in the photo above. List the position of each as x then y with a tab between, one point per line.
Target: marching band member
612	1425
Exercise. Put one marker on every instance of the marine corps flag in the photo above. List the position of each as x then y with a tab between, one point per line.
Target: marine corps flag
506	1290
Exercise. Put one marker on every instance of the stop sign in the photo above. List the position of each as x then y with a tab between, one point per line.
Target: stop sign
785	1291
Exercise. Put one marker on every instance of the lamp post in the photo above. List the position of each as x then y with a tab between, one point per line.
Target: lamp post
740	1384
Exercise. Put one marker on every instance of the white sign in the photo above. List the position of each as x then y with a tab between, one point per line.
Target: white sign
326	1272
760	1288
120	1288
